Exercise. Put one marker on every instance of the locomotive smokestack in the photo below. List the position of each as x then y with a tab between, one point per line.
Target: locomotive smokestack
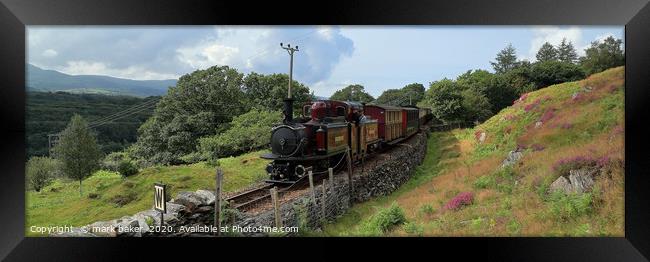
288	110
288	103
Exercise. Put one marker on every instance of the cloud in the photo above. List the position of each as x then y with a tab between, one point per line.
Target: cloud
50	53
258	49
131	72
207	54
554	36
169	51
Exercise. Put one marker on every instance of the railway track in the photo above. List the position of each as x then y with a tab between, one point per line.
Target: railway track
261	196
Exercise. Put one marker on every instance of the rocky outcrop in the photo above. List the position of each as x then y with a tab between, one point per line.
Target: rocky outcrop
580	181
512	158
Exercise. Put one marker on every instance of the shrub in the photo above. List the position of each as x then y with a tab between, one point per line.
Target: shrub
93	196
127	168
193	157
40	172
149	220
564	165
537	147
484	182
112	161
521	98
570	206
477	223
547	115
554	72
427	209
247	132
505	178
460	200
384	220
123	199
413	228
532	105
128	184
513	226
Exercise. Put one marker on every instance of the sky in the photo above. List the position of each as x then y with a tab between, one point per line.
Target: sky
329	57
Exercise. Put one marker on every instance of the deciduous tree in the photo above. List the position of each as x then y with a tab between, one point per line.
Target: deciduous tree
77	150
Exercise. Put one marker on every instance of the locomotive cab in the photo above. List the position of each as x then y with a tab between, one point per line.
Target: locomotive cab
315	144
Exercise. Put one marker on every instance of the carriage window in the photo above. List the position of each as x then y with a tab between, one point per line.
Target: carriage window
340	111
306	111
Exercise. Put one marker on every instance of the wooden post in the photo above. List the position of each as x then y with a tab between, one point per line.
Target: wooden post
276	206
217	202
311	187
349	160
323	201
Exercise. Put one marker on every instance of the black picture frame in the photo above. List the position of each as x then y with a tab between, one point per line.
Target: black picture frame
634	14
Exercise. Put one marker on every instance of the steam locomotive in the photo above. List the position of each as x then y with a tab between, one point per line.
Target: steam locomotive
328	128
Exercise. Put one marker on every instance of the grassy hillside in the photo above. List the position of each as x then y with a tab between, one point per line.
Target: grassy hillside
49	113
583	119
107	195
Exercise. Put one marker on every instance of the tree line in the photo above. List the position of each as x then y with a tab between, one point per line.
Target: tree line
478	94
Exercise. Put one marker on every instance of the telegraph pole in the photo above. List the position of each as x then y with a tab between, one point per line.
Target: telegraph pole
288	103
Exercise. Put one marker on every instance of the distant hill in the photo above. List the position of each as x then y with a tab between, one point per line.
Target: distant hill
49	80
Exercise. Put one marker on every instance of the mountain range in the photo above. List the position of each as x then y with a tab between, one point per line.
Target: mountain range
39	79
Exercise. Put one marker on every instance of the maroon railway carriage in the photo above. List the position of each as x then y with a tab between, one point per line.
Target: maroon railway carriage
389	120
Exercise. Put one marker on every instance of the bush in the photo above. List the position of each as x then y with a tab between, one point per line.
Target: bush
40	172
554	72
93	196
570	206
427	209
123	199
413	228
384	220
112	160
248	132
194	157
505	178
127	168
128	184
484	182
564	165
460	200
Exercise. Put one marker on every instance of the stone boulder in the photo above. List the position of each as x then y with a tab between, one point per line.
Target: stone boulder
207	197
188	199
580	181
512	158
481	138
561	184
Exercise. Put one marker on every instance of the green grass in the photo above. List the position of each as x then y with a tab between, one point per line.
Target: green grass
351	221
60	203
